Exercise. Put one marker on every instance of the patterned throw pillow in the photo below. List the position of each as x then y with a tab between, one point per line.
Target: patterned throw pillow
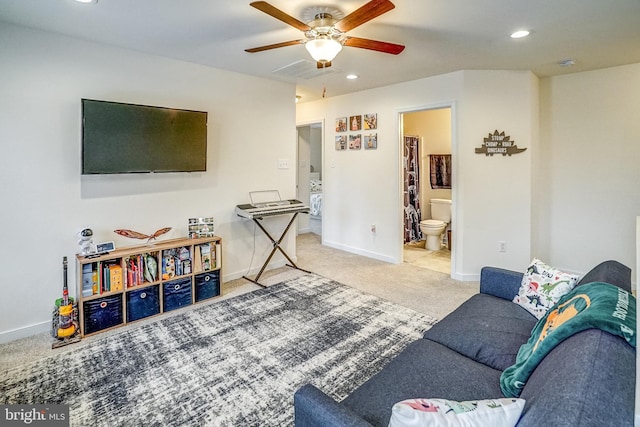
440	412
542	286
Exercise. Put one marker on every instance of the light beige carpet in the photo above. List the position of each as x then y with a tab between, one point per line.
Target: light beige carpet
421	289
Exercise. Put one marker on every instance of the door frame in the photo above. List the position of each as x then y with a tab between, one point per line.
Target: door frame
310	123
457	240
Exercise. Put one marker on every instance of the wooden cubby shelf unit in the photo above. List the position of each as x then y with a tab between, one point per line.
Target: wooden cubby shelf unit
137	282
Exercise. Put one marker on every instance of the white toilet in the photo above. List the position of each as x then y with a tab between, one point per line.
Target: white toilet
434	227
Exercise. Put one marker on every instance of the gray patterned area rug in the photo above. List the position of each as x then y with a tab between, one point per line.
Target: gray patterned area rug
235	362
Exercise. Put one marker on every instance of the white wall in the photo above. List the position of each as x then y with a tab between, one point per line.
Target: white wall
491	194
46	201
579	172
495	191
587	176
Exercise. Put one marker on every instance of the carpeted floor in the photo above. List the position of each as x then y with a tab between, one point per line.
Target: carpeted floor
233	362
421	289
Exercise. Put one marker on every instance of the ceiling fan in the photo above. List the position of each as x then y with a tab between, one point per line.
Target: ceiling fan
325	35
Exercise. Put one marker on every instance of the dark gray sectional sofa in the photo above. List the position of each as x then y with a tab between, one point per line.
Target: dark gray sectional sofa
587	380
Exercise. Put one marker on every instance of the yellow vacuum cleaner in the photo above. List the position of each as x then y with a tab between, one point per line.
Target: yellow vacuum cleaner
64	325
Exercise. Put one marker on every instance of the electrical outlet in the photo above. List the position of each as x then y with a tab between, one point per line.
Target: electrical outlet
502	246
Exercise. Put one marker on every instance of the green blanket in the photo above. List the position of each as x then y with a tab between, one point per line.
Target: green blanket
592	305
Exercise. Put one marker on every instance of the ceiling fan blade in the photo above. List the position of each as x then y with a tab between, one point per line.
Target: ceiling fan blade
363	14
278	14
275	46
379	46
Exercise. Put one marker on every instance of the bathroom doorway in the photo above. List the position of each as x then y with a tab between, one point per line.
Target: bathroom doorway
309	176
426	174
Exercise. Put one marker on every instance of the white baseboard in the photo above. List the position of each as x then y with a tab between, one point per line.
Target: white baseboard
359	251
24	332
465	277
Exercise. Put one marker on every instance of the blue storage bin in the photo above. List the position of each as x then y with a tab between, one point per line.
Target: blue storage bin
102	313
176	294
207	285
143	303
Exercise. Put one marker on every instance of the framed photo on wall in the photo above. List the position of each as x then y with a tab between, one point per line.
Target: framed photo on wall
341	124
341	142
355	141
370	141
370	121
355	122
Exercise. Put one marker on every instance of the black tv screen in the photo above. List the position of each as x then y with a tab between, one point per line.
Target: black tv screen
129	138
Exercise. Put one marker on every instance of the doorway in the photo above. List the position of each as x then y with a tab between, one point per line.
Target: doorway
427	177
309	176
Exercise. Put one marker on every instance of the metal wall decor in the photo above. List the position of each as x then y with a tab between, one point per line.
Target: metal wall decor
498	143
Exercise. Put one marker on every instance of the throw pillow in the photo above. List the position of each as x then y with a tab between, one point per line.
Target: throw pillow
440	412
542	286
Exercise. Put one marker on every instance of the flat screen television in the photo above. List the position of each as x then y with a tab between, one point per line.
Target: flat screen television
128	138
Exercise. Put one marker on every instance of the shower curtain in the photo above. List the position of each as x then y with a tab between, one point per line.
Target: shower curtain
412	214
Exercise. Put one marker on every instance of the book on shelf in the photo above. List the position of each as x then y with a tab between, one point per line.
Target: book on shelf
176	262
206	257
205	251
115	277
111	281
95	281
138	270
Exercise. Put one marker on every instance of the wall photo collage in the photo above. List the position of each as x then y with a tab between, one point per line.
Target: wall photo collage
350	132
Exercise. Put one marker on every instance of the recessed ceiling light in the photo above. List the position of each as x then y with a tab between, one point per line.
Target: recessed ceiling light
87	1
352	76
567	63
520	34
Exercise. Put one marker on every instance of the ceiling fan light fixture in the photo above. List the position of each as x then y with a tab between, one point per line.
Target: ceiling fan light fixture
323	49
519	34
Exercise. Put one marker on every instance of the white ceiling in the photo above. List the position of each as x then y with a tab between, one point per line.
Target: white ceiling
440	36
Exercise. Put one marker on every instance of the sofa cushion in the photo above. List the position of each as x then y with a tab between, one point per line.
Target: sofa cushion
611	272
587	380
488	329
500	282
424	368
501	412
542	286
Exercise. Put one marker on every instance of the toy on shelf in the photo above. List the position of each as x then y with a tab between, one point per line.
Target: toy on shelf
86	242
136	235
